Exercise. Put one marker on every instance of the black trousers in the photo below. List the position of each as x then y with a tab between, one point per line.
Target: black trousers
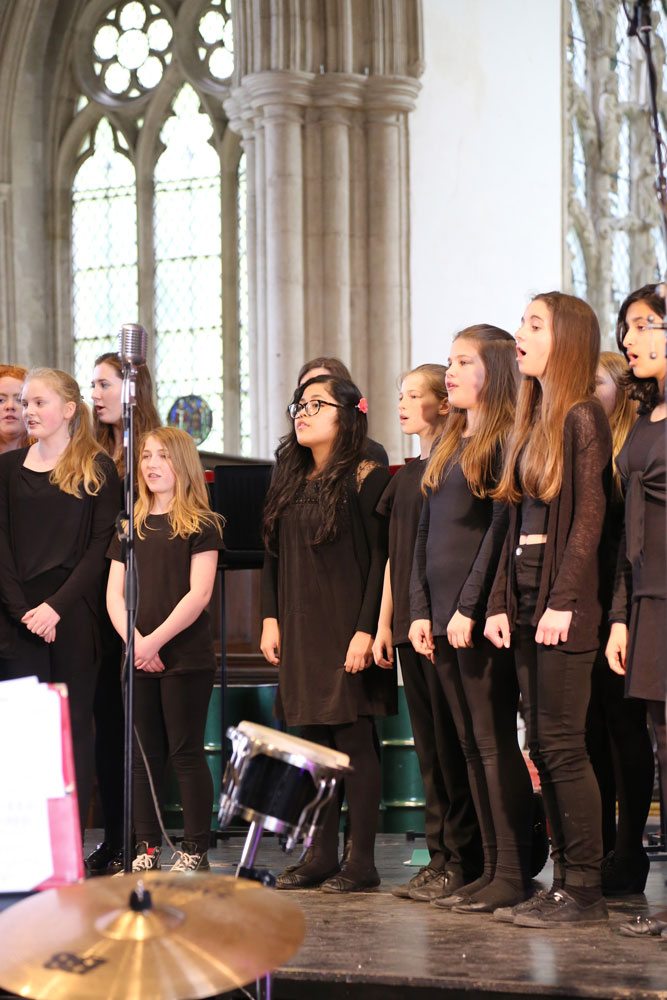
622	757
450	819
170	717
70	659
362	790
481	688
110	734
555	688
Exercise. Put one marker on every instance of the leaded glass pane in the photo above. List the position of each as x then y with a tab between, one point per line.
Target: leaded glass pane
620	272
578	264
578	164
619	194
244	340
660	255
104	251
188	283
576	46
661	28
216	35
623	68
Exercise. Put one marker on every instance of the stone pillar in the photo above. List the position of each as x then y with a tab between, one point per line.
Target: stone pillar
326	103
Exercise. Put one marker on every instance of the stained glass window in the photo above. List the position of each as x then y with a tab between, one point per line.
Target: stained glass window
619	195
104	249
576	46
578	264
620	272
622	62
244	342
660	255
578	164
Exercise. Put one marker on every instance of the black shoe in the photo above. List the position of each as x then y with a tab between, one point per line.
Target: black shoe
560	909
105	859
351	879
422	877
297	879
433	888
623	876
190	859
506	914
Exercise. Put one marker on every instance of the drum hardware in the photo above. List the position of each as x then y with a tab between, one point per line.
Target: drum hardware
153	936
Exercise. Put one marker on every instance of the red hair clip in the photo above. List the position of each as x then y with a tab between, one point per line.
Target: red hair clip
363	405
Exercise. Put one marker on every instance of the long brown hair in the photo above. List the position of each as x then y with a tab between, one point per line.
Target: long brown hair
146	417
535	447
190	506
496	401
78	465
295	461
624	413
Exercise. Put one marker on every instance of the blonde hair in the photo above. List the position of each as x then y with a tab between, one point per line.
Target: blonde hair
624	413
189	509
534	455
496	401
434	378
78	465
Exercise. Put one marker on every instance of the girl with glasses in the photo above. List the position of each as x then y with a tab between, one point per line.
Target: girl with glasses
326	553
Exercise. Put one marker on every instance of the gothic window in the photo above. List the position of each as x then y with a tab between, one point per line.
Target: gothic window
153	184
613	236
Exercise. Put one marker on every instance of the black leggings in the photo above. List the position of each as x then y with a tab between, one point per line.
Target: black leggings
362	790
70	659
555	688
480	685
170	716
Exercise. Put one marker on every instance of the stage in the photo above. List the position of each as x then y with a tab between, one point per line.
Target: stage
377	947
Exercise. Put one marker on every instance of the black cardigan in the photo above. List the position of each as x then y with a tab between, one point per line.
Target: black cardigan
570	574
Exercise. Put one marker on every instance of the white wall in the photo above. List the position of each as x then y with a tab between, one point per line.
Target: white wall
485	164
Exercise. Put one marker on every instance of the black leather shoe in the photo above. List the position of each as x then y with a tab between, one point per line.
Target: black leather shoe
429	889
623	876
296	879
105	859
422	877
350	880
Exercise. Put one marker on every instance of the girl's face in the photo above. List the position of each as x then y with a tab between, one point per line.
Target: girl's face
156	469
45	413
640	343
419	409
605	390
321	429
465	374
534	338
11	422
106	395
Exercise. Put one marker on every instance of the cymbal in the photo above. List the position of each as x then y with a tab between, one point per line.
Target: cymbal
200	935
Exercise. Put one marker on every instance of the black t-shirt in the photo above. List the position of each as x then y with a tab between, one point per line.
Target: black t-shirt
163	570
402	502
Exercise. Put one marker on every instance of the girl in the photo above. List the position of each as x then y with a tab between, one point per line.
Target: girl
448	593
107	383
326	552
556	479
637	638
58	502
452	830
12	429
616	733
176	550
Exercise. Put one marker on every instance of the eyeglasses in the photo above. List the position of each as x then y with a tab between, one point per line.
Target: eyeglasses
310	407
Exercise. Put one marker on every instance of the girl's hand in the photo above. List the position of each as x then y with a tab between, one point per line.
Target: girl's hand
359	653
421	637
553	627
383	649
617	647
42	621
270	641
146	649
459	631
497	630
154	666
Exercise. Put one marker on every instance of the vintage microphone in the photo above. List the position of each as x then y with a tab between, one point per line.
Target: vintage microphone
132	353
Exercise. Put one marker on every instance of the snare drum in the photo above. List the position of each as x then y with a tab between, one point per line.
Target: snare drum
279	781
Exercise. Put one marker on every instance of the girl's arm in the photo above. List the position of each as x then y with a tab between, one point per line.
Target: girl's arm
475	591
203	566
421	634
269	642
118	612
383	649
11	588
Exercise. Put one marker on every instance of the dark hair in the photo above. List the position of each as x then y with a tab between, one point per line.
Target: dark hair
146	417
334	366
294	461
645	390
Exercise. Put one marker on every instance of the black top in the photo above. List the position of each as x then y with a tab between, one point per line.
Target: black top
402	503
534	516
163	570
570	578
641	560
323	594
446	568
375	452
52	544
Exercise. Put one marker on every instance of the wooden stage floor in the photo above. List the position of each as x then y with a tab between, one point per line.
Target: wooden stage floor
377	947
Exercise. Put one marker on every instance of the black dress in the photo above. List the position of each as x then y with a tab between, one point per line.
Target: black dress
323	594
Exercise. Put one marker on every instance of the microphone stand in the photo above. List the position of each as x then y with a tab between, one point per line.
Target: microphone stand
128	399
640	25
